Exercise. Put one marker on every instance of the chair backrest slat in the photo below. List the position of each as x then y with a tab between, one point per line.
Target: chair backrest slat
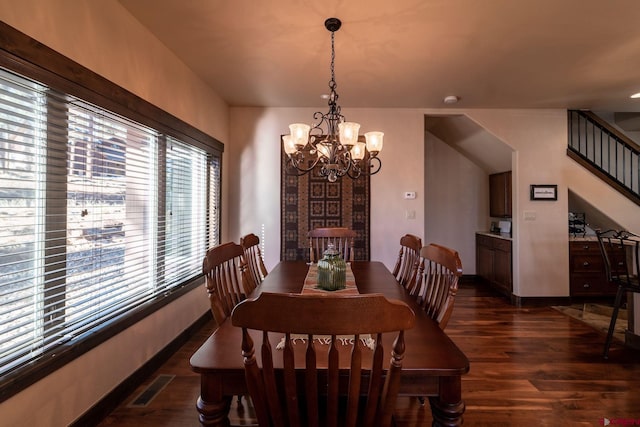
226	278
342	238
406	268
437	281
358	316
253	257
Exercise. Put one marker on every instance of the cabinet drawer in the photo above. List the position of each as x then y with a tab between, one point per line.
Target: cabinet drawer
584	247
591	263
587	275
484	240
591	285
502	245
493	242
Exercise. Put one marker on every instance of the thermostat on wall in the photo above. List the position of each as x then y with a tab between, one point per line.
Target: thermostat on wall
409	194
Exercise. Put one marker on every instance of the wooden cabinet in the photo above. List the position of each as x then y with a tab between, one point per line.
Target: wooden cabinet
484	258
493	262
587	276
500	195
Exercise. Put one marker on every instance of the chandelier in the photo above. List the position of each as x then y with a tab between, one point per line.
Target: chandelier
337	150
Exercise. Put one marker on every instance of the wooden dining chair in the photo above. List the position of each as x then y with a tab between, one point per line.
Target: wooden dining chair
226	279
439	271
436	283
620	252
406	268
300	384
253	257
341	237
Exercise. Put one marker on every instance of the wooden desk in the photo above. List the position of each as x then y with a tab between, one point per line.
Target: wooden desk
432	365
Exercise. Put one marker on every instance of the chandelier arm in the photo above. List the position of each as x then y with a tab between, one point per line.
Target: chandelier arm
346	161
371	167
354	171
316	128
374	165
294	171
297	165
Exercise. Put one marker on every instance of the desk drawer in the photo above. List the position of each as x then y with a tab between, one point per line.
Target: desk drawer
591	285
588	277
584	247
590	263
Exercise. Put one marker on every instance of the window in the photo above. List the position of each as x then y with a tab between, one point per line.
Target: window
100	216
22	165
186	221
214	196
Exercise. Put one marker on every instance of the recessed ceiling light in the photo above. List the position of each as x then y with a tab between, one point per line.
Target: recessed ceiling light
635	95
451	99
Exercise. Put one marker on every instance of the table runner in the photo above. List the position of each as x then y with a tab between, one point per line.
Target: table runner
310	287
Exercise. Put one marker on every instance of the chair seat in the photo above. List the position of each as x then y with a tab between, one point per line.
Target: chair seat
631	283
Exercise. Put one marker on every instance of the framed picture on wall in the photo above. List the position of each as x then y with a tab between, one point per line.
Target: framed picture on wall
544	192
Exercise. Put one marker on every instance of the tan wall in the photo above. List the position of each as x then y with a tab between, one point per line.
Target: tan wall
457	193
538	138
102	36
255	193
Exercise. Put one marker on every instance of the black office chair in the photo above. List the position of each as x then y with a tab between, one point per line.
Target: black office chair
620	253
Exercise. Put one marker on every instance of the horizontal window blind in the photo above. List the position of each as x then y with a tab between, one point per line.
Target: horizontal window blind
98	216
22	172
185	222
214	196
110	233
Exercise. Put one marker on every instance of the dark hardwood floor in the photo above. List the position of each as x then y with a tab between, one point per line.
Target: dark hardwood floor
529	366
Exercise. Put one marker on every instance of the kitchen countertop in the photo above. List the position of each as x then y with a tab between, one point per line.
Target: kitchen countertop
572	238
580	238
505	236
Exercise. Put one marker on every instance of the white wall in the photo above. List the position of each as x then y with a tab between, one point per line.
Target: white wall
106	39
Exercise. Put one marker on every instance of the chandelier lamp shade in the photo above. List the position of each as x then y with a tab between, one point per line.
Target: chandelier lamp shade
332	145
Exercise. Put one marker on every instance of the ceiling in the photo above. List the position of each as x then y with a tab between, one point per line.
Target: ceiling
576	54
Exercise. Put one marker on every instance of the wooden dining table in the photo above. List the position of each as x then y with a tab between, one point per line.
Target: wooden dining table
432	366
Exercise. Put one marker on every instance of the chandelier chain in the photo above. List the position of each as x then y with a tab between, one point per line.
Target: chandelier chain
332	83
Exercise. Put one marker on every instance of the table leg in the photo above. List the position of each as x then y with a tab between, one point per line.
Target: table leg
213	407
447	408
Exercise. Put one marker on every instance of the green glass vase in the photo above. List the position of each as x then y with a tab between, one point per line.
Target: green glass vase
332	270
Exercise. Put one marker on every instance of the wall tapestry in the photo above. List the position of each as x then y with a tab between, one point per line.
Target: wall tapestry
311	201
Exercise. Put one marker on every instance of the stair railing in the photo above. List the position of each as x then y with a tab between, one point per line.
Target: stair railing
606	151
